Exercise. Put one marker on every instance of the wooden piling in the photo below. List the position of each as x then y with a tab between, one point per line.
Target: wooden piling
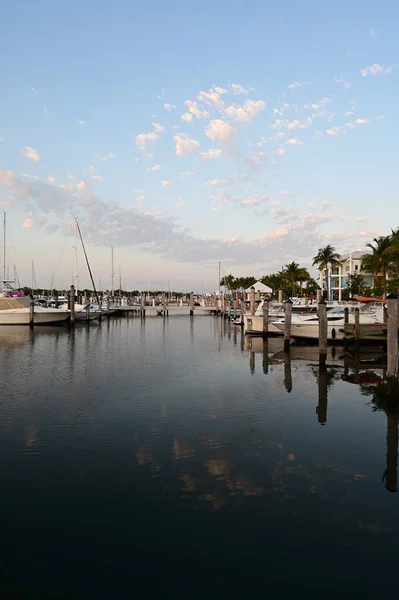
31	314
322	314
191	304
252	301
242	311
287	325
234	308
266	317
164	304
319	296
72	304
346	315
280	296
357	326
392	336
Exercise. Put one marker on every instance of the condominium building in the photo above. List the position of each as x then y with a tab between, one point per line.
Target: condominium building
349	264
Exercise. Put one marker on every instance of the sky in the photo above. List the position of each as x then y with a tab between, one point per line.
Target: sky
184	135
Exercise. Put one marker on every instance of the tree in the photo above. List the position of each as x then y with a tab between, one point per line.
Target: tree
325	258
293	273
228	281
379	260
355	284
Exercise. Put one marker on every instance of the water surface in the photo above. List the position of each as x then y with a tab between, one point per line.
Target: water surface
173	456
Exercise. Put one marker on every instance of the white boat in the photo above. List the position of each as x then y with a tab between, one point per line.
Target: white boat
16	311
82	314
307	326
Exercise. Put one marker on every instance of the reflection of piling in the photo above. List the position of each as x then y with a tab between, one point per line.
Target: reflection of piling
252	362
242	340
357	326
191	304
265	358
321	409
392	337
287	371
287	324
391	473
322	314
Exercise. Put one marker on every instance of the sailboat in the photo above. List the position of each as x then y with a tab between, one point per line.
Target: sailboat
15	307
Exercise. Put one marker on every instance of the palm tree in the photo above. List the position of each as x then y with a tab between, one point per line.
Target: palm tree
293	273
379	261
273	280
303	276
325	258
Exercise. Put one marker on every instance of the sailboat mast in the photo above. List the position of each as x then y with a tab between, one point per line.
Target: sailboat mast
4	244
75	246
120	281
219	279
112	270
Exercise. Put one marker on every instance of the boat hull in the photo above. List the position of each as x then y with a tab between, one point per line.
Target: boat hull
41	317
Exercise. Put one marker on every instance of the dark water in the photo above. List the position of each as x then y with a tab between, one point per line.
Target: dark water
162	458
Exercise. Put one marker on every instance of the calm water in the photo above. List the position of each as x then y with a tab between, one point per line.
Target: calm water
145	458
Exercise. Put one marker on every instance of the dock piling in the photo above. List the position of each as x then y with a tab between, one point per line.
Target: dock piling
31	314
266	317
252	301
287	325
392	336
322	314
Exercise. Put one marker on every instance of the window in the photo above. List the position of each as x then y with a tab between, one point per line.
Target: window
347	269
335	271
356	267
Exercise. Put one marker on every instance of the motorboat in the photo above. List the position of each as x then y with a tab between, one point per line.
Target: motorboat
307	326
15	310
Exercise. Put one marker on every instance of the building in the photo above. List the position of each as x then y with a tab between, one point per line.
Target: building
349	264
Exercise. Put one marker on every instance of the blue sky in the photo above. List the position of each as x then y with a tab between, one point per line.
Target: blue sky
182	135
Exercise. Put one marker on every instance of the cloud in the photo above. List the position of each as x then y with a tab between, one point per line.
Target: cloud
92	169
254	200
179	203
215	182
236	88
279	152
188	117
294	142
158	127
219	130
166	183
142	198
104	158
213	97
1	139
296	84
246	112
143	139
97	177
184	144
81	122
195	110
373	34
154	168
31	154
375	69
361	121
34	221
169	106
51	179
341	79
284	193
211	154
325	205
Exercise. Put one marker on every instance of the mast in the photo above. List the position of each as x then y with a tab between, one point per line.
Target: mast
112	270
120	281
75	247
88	265
4	244
219	279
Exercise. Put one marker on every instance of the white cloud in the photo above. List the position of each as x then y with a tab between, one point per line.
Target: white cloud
294	142
219	130
246	112
92	169
158	127
213	97
169	106
81	122
334	131
154	168
82	185
361	121
375	69
279	152
195	110
141	198
325	205
33	221
236	88
143	139
373	34
31	154
1	139
178	204
184	144
188	117
51	179
71	177
97	177
211	154
296	84
341	79
166	183
215	182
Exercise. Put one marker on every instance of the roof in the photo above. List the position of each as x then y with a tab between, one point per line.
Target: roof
356	255
260	287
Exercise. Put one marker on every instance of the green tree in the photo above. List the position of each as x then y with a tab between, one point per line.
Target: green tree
293	273
355	284
325	258
379	260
